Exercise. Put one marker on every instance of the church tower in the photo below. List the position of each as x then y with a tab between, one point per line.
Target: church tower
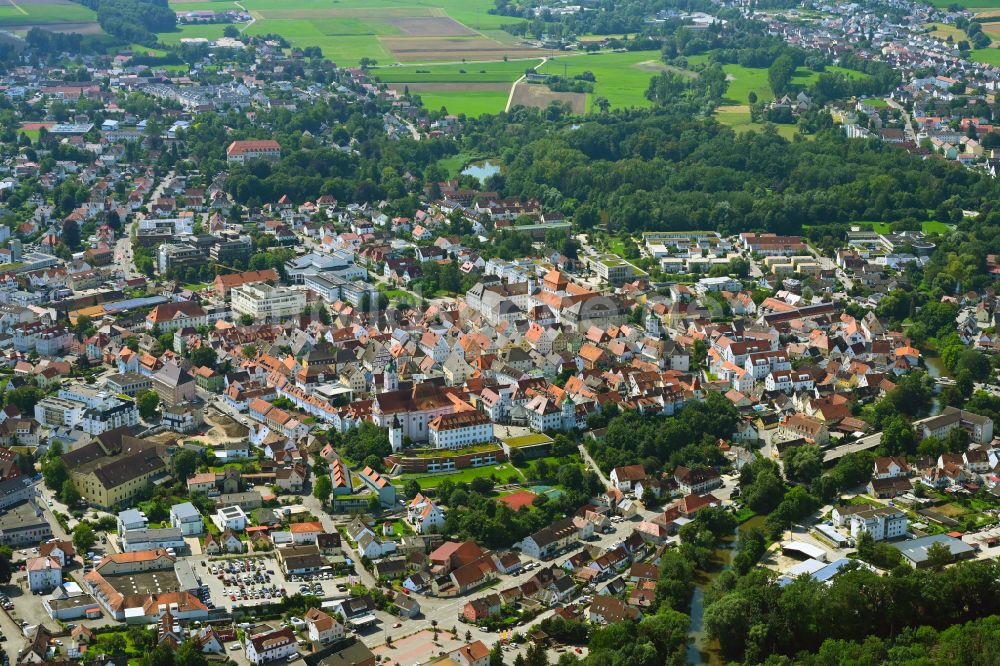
390	377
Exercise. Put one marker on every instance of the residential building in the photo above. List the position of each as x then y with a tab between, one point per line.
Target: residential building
625	478
549	541
230	518
882	523
271	646
697	481
322	628
980	428
187	519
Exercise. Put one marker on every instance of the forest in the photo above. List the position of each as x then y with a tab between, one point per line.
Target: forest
753	617
668	170
133	20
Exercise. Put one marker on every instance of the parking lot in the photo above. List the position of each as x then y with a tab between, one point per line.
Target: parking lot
236	582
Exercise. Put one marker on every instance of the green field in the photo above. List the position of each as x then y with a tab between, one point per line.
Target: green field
735	110
491	72
621	77
988	56
944	31
441	85
148	50
26	13
739	120
471	103
349	30
743	80
212	31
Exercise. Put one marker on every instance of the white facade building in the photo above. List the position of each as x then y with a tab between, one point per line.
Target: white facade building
230	518
454	431
263	302
882	523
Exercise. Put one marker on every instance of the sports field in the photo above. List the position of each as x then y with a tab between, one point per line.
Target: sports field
387	31
56	15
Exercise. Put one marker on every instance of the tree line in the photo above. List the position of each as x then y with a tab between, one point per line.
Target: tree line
757	620
133	20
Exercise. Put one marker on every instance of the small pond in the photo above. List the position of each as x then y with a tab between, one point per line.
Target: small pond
481	170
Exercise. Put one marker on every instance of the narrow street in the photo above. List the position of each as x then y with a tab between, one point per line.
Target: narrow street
592	465
910	133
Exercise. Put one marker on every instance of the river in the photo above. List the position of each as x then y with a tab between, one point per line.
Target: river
700	649
936	370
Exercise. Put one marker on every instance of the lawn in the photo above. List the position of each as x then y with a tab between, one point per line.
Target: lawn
739	119
454	164
928	227
398	295
502	472
399	529
622	78
616	246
